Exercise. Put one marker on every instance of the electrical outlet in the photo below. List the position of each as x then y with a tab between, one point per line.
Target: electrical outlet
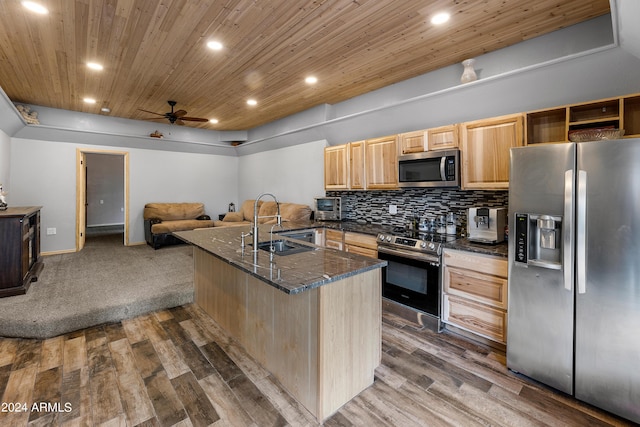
51	231
393	209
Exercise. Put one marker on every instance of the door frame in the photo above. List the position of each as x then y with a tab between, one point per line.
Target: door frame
81	193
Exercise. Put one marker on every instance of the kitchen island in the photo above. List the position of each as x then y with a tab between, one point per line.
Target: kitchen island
312	317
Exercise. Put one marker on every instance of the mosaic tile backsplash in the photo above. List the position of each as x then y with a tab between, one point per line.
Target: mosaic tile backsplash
373	206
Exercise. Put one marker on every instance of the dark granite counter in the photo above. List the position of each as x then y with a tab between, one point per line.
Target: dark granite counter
464	244
292	273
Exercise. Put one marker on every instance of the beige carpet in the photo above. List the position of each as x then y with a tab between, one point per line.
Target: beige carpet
105	282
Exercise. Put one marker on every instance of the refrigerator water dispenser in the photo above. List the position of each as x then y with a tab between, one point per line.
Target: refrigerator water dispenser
538	240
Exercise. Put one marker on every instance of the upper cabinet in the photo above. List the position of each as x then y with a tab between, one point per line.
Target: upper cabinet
555	124
485	151
442	138
336	167
412	142
381	163
356	165
362	165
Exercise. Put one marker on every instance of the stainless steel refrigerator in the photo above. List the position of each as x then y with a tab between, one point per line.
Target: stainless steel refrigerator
574	270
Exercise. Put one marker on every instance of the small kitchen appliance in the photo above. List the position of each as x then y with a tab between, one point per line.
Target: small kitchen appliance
486	225
328	209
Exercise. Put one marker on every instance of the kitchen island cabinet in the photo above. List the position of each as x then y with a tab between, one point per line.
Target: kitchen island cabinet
312	319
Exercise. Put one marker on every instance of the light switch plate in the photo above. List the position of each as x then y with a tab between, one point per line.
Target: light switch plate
393	209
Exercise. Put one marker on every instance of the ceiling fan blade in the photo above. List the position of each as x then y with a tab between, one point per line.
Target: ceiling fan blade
147	111
154	118
194	119
180	113
179	122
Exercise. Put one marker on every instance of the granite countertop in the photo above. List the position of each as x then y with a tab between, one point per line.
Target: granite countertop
293	273
464	244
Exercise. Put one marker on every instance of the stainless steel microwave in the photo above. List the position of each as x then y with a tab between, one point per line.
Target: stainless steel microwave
328	209
430	169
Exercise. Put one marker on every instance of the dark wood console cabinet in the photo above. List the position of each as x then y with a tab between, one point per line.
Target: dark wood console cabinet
20	259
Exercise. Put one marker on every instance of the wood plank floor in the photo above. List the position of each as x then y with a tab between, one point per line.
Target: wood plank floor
177	368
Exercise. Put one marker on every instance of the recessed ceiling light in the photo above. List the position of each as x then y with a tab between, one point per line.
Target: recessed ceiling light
214	121
89	100
440	18
214	45
105	109
35	7
311	80
252	102
95	66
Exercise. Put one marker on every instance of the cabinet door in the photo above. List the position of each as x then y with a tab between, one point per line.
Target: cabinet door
381	160
356	169
442	138
485	151
412	142
333	239
336	162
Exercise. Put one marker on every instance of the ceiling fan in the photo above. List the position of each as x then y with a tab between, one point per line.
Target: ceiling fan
177	117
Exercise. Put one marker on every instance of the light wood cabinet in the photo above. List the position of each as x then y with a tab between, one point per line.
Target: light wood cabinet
475	293
381	163
442	138
336	167
553	125
363	244
334	239
485	151
356	165
412	142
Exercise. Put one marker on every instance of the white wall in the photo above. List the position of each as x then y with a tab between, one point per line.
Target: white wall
43	173
5	155
294	174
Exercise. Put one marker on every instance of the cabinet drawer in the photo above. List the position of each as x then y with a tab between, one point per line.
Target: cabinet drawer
477	318
364	240
477	262
373	253
480	287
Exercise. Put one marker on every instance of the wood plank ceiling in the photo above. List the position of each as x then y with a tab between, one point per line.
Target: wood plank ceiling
155	50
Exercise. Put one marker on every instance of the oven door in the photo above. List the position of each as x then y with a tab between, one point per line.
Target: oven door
412	279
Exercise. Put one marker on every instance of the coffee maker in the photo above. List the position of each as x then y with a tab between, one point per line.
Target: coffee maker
486	225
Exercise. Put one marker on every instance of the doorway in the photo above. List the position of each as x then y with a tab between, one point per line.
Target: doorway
102	194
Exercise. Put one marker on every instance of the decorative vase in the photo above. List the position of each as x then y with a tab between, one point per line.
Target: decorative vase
469	74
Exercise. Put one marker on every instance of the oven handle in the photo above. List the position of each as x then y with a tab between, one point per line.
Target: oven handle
409	254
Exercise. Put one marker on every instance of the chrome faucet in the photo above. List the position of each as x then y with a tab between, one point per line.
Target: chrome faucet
254	226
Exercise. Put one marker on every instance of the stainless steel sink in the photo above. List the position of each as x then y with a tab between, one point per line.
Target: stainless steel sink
284	247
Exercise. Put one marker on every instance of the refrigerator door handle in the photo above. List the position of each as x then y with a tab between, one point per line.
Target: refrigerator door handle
567	231
581	219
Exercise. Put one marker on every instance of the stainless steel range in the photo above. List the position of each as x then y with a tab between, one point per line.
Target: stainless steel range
412	275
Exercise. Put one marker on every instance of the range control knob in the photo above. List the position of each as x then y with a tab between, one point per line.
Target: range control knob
389	238
381	237
432	246
423	245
